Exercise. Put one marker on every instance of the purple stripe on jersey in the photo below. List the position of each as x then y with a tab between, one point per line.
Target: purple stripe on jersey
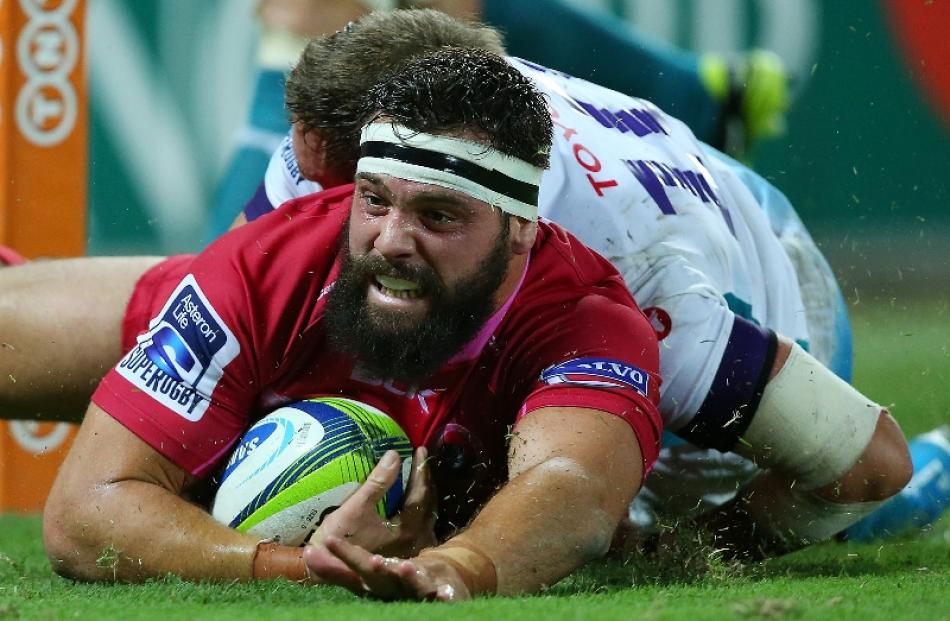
259	205
735	392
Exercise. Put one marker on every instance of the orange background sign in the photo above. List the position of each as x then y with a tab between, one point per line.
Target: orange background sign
43	120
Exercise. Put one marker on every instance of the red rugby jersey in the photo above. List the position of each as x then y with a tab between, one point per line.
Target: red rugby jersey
237	330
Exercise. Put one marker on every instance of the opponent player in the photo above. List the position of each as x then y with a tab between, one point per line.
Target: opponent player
651	188
729	104
285	28
430	291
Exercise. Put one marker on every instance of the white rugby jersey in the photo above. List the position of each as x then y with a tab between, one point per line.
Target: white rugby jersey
691	241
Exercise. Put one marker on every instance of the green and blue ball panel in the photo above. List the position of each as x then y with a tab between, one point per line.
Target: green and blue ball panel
301	461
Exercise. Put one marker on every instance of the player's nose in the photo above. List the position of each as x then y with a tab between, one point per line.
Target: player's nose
396	237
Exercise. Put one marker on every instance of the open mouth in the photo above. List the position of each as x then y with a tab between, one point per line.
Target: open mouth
397	287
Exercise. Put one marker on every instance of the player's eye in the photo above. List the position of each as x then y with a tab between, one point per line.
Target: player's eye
372	201
436	218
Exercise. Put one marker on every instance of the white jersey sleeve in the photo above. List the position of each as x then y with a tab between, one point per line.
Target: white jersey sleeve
690	239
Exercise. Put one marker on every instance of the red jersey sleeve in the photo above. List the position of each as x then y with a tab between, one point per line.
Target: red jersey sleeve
194	377
187	384
601	355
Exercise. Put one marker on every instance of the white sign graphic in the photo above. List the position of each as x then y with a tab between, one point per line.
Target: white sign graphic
47	51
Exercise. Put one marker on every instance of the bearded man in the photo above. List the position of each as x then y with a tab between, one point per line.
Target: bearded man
429	290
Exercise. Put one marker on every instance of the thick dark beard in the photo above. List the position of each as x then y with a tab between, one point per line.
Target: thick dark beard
394	345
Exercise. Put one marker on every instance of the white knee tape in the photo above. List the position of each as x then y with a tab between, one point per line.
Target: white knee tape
795	515
810	426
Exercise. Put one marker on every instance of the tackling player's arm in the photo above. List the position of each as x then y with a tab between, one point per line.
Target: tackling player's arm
831	455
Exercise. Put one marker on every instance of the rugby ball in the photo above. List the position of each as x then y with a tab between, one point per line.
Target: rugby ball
301	461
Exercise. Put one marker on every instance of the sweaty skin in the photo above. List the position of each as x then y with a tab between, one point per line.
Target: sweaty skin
152	530
572	473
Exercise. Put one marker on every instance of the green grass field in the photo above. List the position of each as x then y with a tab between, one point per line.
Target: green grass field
903	360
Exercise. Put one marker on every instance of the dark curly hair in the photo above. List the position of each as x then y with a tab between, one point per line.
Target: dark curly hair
466	91
325	90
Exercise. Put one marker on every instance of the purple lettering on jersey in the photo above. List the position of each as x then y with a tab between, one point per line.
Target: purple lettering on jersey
627	121
704	184
647	119
541	68
531	65
651	183
656	176
597	114
635	120
665	172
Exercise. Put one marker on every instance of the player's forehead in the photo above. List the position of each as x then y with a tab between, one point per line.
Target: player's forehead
411	191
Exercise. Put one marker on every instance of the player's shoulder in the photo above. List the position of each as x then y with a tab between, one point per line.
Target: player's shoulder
563	267
573	300
310	215
573	98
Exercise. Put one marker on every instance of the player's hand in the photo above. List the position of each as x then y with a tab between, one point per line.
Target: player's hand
358	522
386	577
415	523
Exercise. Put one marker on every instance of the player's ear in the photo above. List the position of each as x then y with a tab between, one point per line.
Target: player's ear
523	233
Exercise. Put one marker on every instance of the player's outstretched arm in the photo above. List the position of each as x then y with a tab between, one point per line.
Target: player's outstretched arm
572	473
116	513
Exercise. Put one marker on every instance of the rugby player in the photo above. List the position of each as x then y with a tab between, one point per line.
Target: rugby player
729	104
431	291
717	279
717	256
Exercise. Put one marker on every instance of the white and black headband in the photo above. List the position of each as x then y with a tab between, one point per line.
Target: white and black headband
484	173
